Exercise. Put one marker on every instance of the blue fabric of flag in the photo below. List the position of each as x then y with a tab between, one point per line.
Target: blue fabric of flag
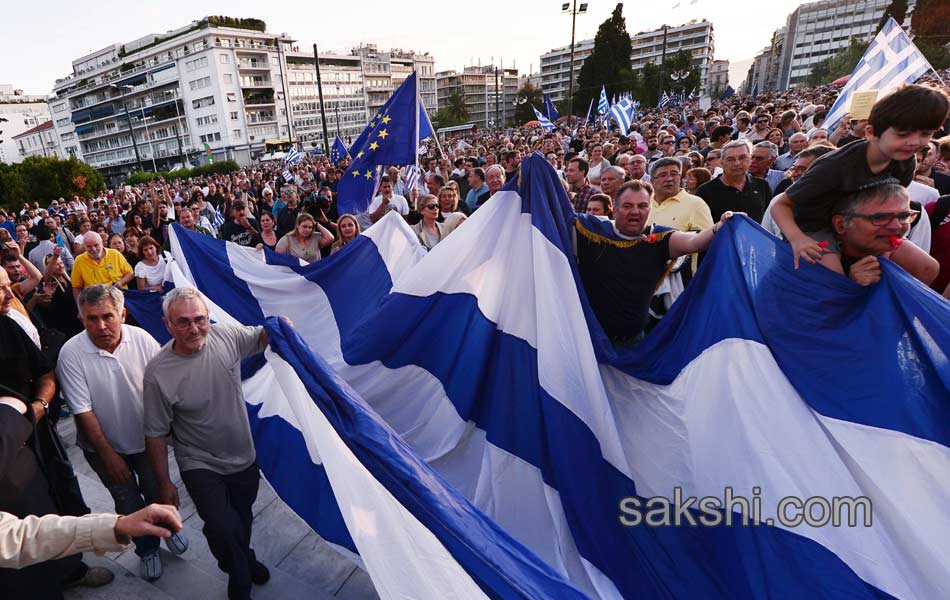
602	104
338	150
549	109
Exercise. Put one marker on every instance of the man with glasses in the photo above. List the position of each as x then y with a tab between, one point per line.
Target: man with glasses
871	223
763	157
667	144
192	392
735	190
760	128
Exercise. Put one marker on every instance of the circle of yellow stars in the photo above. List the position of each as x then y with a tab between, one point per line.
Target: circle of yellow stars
381	118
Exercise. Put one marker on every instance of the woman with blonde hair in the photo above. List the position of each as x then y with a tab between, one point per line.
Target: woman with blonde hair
449	214
349	228
429	230
302	241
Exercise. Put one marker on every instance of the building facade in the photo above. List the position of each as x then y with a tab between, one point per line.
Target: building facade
816	31
718	78
19	112
38	141
205	88
384	71
489	93
344	97
696	37
757	78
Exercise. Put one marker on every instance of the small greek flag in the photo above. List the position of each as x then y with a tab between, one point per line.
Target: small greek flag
293	157
288	176
890	60
545	122
664	100
623	113
412	178
218	219
602	105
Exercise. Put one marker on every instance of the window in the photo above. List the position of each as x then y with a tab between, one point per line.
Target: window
236	134
234	116
198	63
211	137
228	78
208	120
67	136
224	59
232	97
59	108
198	84
62	122
203	102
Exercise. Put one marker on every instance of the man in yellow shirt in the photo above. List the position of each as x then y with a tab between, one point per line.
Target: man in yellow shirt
673	206
99	265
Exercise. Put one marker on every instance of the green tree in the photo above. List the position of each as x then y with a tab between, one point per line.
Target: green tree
930	25
608	65
528	96
457	108
896	9
13	191
44	179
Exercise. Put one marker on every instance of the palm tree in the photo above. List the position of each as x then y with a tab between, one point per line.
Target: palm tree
456	108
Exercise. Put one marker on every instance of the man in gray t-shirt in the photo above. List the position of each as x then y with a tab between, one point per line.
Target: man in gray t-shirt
192	392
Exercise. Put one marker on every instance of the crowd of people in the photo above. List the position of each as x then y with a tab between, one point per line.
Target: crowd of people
648	203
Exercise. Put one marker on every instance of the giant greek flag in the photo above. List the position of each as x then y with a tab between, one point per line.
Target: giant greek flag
459	419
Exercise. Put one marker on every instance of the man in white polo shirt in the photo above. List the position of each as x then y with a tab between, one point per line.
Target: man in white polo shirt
101	371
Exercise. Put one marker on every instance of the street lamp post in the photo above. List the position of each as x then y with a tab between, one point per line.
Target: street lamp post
128	120
659	92
151	149
323	112
178	131
573	11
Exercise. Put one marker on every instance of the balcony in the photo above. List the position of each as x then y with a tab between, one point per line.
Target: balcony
260	117
259	98
250	64
256	82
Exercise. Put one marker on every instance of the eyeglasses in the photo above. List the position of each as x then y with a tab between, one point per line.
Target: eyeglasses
883	219
183	323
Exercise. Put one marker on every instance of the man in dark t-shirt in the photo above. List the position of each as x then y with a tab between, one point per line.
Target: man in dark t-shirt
241	229
621	263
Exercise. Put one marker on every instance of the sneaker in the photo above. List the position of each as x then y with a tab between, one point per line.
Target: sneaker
259	573
151	567
94	577
177	543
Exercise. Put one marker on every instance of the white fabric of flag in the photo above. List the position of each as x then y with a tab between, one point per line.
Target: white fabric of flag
891	59
545	122
293	157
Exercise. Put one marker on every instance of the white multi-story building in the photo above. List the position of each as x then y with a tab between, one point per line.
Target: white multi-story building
38	141
556	68
758	76
344	97
816	31
19	112
718	78
695	37
384	71
489	93
214	84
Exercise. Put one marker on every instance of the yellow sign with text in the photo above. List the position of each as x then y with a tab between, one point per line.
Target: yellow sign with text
861	103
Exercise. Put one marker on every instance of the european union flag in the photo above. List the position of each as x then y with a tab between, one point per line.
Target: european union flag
549	109
729	92
391	138
338	150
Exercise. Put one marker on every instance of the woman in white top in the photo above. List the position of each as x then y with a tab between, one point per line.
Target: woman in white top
303	242
150	270
597	163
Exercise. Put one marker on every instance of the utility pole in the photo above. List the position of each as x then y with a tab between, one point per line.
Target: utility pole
662	62
128	120
323	113
286	84
497	114
565	8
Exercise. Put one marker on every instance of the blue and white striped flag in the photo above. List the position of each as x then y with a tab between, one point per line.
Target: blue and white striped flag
664	100
624	114
549	428
218	219
412	178
891	59
602	105
545	122
288	176
293	157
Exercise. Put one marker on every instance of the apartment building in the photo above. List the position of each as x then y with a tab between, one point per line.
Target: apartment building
19	113
489	93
